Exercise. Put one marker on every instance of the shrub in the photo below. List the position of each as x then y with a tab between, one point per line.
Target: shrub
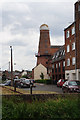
45	81
63	109
42	76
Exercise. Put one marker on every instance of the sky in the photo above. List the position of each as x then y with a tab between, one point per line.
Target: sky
20	22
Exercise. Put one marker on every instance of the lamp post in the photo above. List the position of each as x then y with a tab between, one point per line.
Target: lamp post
11	68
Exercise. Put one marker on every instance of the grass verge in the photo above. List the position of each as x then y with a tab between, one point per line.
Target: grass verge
8	90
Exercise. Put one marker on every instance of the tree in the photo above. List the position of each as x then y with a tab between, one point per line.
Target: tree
42	76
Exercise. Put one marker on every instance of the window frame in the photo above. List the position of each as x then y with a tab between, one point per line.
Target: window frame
73	46
68	48
73	30
68	62
67	34
73	60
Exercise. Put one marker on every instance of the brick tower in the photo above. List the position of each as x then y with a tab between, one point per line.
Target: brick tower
44	46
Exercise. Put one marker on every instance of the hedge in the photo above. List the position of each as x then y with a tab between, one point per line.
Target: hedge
59	109
45	81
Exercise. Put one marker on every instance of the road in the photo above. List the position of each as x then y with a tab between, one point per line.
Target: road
43	87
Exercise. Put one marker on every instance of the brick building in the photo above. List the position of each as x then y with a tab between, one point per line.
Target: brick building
72	47
58	65
61	62
45	50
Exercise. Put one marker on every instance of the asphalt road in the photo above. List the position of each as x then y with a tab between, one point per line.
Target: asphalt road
43	87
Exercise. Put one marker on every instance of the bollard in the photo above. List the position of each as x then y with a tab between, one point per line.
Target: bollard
15	86
31	89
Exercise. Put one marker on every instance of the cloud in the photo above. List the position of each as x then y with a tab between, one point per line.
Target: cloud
20	28
2	1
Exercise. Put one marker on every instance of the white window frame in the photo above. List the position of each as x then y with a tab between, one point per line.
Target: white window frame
63	63
73	30
68	62
67	34
73	61
73	46
68	48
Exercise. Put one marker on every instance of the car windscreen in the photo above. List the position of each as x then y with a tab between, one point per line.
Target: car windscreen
27	81
72	83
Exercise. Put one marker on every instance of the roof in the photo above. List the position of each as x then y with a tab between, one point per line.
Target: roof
59	54
44	27
61	48
69	26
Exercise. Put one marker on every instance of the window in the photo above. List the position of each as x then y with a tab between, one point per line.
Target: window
56	65
67	34
78	7
73	30
46	51
73	61
59	69
68	49
63	52
53	66
79	26
68	62
59	64
73	46
64	64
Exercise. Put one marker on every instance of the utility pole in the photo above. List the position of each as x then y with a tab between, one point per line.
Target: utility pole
9	65
11	68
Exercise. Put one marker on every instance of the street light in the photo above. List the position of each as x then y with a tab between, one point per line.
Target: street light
11	68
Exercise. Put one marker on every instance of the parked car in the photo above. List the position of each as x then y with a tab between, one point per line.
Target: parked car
71	86
27	83
61	82
6	83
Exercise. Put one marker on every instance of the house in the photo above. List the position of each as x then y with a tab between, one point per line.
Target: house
72	47
58	64
40	69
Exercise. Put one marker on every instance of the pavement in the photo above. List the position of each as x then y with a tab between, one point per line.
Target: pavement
44	87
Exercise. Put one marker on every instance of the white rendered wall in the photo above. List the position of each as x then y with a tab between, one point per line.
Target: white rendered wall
38	70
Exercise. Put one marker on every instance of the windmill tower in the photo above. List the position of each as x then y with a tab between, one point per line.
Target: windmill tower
44	46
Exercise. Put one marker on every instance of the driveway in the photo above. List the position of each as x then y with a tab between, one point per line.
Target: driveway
43	87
